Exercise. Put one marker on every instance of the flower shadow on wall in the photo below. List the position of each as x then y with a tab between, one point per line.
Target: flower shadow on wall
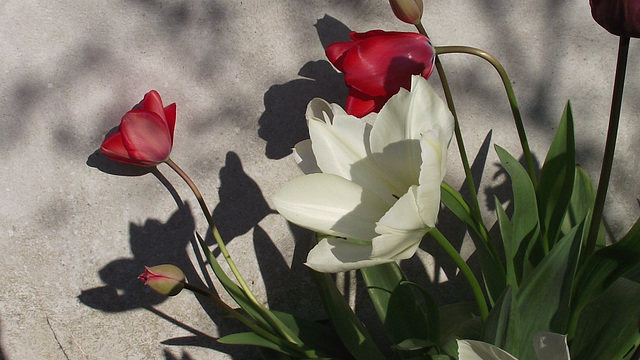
240	210
153	243
283	124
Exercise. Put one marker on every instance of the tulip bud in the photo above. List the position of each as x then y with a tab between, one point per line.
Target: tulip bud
409	11
164	279
619	17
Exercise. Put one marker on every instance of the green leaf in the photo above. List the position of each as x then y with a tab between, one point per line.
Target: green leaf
413	344
315	335
497	324
525	247
458	321
608	326
249	338
604	267
492	271
557	179
541	304
396	305
431	310
259	314
351	331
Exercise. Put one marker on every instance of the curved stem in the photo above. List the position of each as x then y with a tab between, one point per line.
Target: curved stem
223	249
466	271
510	95
254	327
610	146
461	149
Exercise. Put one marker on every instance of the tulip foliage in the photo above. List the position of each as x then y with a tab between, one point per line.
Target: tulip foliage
372	190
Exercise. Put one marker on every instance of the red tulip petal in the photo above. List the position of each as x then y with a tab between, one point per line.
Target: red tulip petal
337	51
146	136
170	115
360	105
152	102
113	148
379	66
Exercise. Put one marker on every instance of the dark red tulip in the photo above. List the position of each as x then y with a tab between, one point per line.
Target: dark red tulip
619	17
145	135
377	64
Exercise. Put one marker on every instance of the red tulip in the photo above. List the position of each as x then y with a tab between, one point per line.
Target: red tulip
145	135
619	17
377	64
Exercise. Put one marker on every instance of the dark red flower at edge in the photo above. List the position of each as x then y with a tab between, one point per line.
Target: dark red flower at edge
145	135
619	17
377	64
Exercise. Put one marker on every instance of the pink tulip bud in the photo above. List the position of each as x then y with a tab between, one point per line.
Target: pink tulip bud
409	11
165	279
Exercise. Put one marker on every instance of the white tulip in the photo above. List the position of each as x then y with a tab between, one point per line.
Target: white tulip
374	189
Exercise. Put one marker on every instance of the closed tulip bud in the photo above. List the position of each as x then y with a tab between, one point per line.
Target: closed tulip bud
409	11
619	17
165	279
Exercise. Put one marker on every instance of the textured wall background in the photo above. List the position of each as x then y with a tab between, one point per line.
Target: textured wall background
73	237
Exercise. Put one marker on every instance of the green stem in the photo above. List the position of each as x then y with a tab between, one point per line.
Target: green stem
223	249
254	327
610	146
461	149
466	271
510	95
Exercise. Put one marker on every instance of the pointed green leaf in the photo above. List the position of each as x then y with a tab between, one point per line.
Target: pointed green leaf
458	321
526	248
604	267
352	332
413	344
608	326
259	314
315	335
541	304
557	178
249	338
492	272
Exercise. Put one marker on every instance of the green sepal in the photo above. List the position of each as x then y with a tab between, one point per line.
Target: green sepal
352	332
397	306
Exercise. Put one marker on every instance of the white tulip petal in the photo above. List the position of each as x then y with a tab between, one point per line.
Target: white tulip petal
335	255
330	204
434	160
401	229
304	157
478	350
322	110
341	149
401	123
551	346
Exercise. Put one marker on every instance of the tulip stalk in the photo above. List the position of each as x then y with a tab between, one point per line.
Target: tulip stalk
253	326
531	170
461	148
465	269
223	249
610	145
